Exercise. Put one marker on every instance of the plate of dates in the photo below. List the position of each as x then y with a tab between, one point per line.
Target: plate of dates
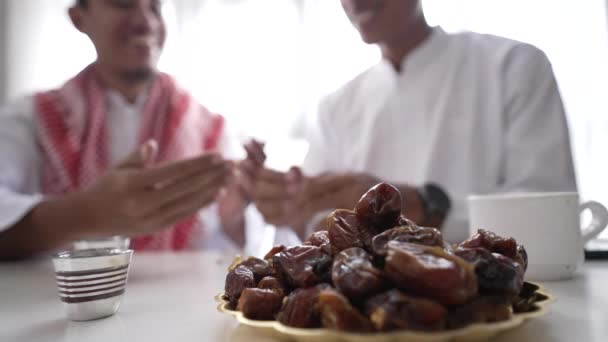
373	275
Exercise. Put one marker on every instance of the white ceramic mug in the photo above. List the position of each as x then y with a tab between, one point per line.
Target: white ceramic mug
547	224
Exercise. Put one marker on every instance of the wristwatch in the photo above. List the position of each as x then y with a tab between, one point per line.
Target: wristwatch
436	204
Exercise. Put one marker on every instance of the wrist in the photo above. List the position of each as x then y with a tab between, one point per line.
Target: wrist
84	219
234	227
50	224
59	218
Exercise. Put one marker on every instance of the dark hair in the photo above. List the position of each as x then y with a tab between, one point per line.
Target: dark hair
82	3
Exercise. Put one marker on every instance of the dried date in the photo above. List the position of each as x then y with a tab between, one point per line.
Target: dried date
527	298
320	239
418	235
497	244
237	280
304	266
394	310
380	207
273	284
260	304
430	272
260	268
354	275
522	257
274	251
405	222
301	308
345	230
484	309
338	314
495	272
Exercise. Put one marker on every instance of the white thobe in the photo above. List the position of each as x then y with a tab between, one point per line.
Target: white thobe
473	113
21	161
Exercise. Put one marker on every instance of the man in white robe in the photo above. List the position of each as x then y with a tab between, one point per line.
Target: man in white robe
458	114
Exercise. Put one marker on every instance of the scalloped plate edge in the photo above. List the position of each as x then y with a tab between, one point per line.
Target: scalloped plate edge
476	329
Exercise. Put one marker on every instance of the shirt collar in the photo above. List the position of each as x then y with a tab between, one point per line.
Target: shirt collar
421	56
117	100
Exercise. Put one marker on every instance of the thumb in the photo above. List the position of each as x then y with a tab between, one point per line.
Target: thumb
294	174
295	180
142	157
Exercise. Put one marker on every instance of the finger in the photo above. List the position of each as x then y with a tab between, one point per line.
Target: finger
257	149
255	152
294	174
233	173
295	180
271	175
270	185
271	211
317	187
186	206
173	171
244	180
157	199
248	167
246	188
319	202
268	191
150	151
313	196
143	156
258	143
248	170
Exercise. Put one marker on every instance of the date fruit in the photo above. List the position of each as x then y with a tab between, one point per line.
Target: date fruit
430	272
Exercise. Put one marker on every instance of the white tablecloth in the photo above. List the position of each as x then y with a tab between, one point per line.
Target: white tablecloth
170	298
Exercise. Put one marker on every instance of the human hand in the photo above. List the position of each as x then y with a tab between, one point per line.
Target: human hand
343	191
248	168
136	197
292	199
238	192
335	190
240	186
274	194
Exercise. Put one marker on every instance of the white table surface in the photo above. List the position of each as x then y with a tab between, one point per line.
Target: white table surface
170	298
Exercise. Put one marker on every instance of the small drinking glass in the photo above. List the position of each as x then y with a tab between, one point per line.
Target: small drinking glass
92	282
115	242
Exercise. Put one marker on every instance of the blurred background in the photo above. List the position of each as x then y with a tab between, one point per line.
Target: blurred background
264	64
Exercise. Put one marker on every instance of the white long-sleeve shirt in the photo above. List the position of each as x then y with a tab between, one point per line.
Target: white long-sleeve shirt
474	113
21	163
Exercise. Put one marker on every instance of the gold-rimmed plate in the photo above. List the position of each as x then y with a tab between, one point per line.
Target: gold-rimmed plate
473	332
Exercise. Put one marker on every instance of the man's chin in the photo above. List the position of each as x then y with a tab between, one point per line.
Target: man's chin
368	34
369	38
139	74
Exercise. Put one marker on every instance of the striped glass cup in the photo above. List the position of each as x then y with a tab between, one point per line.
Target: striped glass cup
91	282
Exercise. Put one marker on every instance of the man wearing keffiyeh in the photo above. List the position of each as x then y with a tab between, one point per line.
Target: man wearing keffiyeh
120	149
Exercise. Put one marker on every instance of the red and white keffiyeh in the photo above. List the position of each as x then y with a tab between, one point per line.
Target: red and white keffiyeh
73	135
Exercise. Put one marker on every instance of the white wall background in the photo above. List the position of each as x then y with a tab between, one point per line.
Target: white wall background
42	47
3	52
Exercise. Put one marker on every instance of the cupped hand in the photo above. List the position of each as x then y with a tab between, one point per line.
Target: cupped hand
137	197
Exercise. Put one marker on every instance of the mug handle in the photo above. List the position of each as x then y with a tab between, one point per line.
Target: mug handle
599	220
